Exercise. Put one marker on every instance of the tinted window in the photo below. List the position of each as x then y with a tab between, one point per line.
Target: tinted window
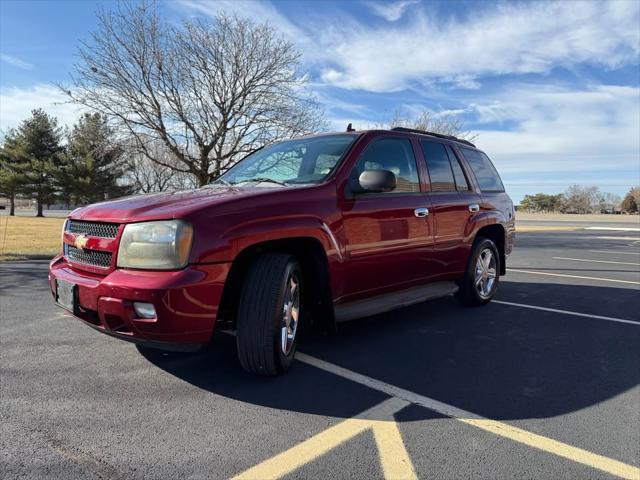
485	172
439	168
458	173
396	155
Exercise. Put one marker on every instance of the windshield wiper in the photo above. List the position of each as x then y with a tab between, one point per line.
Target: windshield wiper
264	179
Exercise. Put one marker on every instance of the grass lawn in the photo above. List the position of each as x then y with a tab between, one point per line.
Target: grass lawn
29	237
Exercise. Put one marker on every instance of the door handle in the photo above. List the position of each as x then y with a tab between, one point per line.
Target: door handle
421	212
474	207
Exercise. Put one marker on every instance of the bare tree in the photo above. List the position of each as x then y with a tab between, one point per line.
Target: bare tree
147	176
431	122
607	202
580	199
211	91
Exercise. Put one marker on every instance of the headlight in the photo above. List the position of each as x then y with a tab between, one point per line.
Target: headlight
161	245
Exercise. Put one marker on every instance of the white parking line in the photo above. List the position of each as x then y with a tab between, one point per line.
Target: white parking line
594	261
635	239
616	252
615	229
540	442
533	272
568	312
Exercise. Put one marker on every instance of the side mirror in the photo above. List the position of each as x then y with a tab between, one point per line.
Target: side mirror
374	181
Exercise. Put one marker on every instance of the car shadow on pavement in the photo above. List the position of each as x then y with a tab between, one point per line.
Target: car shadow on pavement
499	361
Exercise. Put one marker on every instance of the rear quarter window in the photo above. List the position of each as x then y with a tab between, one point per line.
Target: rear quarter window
484	171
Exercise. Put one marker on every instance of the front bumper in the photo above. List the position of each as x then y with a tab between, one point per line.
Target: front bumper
186	302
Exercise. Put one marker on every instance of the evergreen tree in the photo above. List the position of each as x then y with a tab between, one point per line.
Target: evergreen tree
36	155
93	163
10	179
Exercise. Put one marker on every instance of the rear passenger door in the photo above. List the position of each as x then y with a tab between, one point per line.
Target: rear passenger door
453	203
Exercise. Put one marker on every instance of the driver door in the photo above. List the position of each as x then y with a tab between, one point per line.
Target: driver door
389	238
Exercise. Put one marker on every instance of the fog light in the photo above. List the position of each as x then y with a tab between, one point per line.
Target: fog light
144	310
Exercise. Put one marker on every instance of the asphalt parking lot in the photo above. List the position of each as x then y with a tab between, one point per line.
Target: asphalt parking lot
543	383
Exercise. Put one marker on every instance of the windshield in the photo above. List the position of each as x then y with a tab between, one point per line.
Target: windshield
307	160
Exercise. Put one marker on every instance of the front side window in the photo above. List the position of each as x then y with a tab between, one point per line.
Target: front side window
440	172
302	161
395	155
483	169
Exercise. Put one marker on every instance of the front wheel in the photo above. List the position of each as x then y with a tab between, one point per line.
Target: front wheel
480	282
269	314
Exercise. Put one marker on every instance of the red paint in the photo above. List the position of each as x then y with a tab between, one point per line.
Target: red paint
373	244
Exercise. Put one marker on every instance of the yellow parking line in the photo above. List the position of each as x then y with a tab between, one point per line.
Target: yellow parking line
505	430
305	452
394	459
578	455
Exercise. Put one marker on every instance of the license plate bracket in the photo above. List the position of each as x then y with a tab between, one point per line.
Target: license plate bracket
66	295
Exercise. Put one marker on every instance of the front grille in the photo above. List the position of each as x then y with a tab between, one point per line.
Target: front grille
90	257
94	229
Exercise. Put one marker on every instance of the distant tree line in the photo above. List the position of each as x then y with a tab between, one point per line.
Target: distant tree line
45	163
41	161
581	199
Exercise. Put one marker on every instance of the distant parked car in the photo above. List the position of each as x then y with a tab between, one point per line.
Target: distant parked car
316	229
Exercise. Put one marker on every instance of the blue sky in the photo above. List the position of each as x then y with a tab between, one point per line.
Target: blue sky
551	88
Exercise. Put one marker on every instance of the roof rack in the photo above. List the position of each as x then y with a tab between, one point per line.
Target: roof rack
433	134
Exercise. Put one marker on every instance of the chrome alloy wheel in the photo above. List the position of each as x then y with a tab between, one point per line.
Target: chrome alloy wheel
290	314
485	277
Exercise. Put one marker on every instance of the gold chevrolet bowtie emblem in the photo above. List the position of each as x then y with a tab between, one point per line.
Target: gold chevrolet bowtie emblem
81	241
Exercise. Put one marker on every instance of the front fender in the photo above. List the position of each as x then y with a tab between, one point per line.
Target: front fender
226	247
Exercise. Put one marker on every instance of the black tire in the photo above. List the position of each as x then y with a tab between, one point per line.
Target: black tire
260	314
470	294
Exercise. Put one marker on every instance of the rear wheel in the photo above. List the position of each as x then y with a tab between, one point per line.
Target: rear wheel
269	314
480	282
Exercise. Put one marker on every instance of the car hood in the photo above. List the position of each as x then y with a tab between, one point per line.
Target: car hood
167	205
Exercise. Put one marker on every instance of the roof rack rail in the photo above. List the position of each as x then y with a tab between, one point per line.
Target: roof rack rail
433	134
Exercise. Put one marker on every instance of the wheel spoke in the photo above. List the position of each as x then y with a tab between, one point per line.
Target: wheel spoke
487	259
284	339
491	273
290	316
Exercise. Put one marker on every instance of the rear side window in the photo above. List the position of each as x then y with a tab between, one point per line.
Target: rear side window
440	173
461	181
485	172
396	155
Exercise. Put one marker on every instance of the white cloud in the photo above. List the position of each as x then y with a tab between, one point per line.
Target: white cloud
563	130
16	105
258	11
15	61
390	11
511	38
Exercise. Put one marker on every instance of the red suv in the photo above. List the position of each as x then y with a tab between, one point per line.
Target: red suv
314	230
